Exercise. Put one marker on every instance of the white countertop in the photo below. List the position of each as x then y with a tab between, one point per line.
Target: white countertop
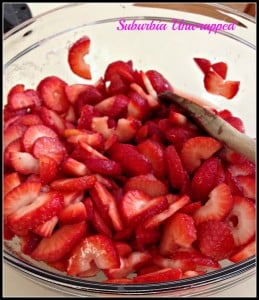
15	285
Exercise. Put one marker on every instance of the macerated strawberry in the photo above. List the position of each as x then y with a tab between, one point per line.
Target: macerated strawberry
244	253
215	239
74	167
196	149
97	248
24	163
241	220
203	63
248	186
221	68
103	166
148	184
11	181
13	133
178	231
217	207
159	276
52	92
62	241
53	120
73	213
158	81
151	98
29	242
76	55
42	209
46	229
130	159
74	184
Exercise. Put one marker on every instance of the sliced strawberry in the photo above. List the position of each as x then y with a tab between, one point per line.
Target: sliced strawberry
221	68
203	63
234	184
93	139
137	106
144	237
217	207
29	242
98	221
248	185
72	197
230	89
18	88
124	249
148	184
179	231
52	92
49	146
53	120
159	276
131	161
73	213
74	184
48	169
244	253
151	99
74	167
103	166
97	248
43	208
46	229
158	81
215	239
114	107
20	196
11	181
196	149
13	147
154	152
74	91
62	241
24	163
241	220
35	132
243	169
20	100
121	69
126	129
191	208
29	120
13	133
91	96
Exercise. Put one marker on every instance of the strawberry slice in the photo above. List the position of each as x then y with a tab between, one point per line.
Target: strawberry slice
74	167
126	129
20	196
42	209
46	229
52	92
178	231
11	181
243	169
215	239
196	149
48	169
148	184
74	184
29	120
248	185
230	89
29	242
13	133
158	81
113	107
234	184
20	100
144	237
217	207
159	276
24	163
137	106
203	63
35	132
103	166
62	241
76	55
73	213
221	68
97	248
241	220
53	120
244	253
124	249
119	69
74	91
15	146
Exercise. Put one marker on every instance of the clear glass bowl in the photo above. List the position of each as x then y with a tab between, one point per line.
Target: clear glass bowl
38	48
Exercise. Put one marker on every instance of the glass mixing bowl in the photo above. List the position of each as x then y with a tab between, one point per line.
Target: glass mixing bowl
38	48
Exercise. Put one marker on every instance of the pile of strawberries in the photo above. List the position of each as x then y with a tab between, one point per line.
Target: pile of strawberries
107	178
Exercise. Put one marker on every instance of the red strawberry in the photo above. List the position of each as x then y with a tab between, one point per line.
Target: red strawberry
244	253
20	100
121	69
137	106
221	68
24	163
154	152
43	208
215	239
217	207
15	146
52	92
74	167
124	249
159	276
203	63
114	107
196	149
98	221
147	184
61	242
46	229
241	220
97	248
51	119
131	161
151	99
178	231
243	169
206	178
49	146
248	185
159	83
74	91
76	55
29	242
18	88
73	213
48	169
35	132
230	89
103	166
234	184
29	120
11	181
126	129
191	208
72	197
145	236
73	184
86	115
13	133
93	139
20	196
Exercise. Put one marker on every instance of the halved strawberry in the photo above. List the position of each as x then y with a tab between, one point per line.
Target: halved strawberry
46	229
53	120
244	253
248	185
159	276
215	239
196	149
217	207
178	231
221	68
52	92
24	163
18	88
203	63
76	55
61	242
42	209
73	213
74	184
103	166
48	169
11	181
74	167
241	220
97	248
